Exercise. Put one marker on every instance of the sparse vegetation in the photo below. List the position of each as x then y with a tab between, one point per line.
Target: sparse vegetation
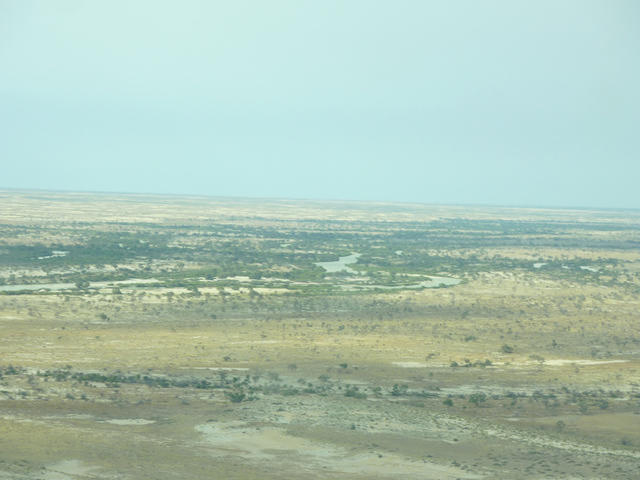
223	321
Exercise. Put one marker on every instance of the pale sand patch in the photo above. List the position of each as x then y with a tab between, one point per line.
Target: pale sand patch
255	342
68	469
218	369
559	362
409	364
129	421
268	443
130	281
270	291
543	441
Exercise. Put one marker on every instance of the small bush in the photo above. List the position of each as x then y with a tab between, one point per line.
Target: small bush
477	398
399	390
354	392
507	348
236	396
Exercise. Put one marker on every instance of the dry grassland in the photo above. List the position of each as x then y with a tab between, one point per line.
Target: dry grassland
240	366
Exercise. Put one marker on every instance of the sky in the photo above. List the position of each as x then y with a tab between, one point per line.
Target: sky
515	103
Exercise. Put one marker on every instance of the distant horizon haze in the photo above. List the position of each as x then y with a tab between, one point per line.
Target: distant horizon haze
309	199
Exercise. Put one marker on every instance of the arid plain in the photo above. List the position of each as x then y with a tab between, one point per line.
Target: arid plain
192	337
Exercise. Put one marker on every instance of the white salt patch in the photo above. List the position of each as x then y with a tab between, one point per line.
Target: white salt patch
409	364
54	254
558	362
216	369
130	421
590	269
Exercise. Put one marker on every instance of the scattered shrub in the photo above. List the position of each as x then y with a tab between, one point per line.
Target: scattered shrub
507	348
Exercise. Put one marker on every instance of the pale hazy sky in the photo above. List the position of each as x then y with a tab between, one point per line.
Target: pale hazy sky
492	102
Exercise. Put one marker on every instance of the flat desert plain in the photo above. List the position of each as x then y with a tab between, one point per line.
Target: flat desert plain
193	337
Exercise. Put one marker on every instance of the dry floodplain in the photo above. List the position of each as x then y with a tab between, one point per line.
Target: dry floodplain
188	337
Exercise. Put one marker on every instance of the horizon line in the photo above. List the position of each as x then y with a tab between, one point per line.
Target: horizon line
327	200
